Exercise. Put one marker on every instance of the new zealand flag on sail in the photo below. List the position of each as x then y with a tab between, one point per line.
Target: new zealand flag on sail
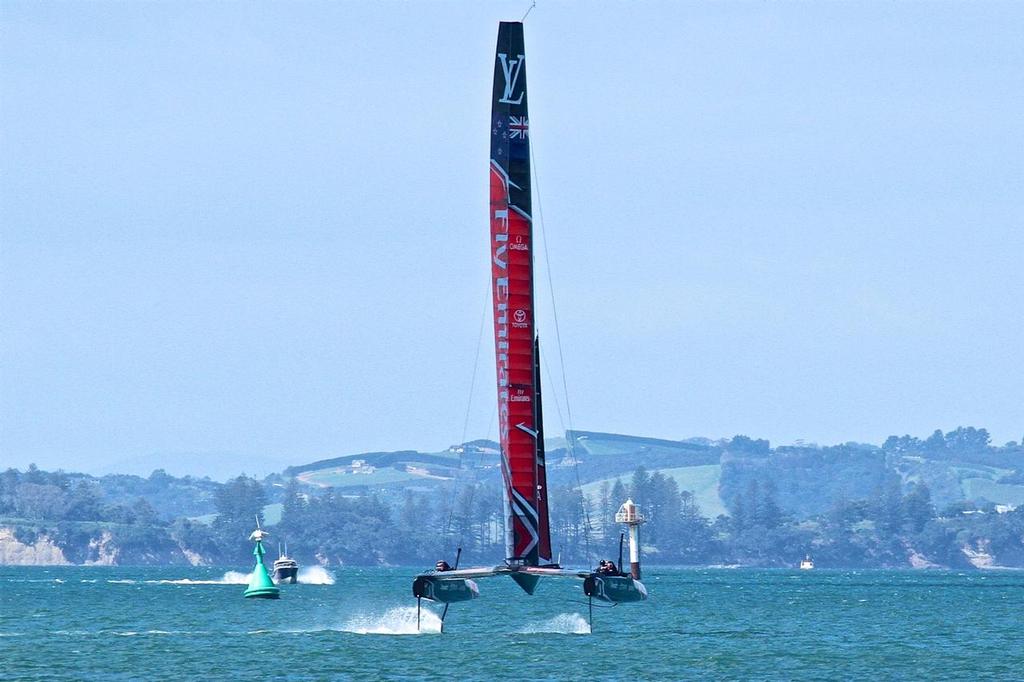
510	139
510	143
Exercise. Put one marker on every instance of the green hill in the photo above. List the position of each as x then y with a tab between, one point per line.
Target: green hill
379	469
701	480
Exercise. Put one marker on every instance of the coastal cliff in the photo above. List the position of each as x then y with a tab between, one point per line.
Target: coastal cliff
33	546
42	551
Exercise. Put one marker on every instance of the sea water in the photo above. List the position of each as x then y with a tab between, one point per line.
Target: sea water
182	623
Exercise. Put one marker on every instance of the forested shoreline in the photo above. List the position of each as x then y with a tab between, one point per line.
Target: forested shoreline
848	506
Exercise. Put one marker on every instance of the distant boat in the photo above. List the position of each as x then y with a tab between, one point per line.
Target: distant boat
286	569
806	564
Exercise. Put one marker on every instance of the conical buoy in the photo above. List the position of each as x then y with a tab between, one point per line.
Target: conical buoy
260	584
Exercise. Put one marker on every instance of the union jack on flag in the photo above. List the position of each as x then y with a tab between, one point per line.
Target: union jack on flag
518	127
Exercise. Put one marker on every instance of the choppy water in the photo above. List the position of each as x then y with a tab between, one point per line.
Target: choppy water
174	623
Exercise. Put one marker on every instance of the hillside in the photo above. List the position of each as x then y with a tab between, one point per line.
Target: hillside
807	479
943	500
597	456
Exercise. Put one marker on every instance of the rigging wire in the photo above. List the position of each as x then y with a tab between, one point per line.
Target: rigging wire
530	9
452	498
476	362
570	440
551	382
490	425
473	475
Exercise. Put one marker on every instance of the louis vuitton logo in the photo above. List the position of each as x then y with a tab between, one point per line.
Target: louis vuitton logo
511	68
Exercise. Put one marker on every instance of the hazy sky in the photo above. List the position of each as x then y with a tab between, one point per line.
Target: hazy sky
253	229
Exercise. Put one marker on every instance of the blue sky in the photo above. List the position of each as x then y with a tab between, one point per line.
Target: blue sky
232	231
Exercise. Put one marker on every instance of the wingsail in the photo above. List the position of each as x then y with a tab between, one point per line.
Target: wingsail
517	361
528	539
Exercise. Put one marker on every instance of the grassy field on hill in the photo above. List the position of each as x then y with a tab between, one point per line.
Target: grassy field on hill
978	488
700	480
382	469
341	478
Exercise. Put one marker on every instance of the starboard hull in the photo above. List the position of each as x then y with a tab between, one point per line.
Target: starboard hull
615	589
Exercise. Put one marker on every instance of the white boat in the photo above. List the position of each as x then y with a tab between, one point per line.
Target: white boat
286	569
806	564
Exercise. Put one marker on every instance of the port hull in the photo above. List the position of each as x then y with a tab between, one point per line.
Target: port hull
444	591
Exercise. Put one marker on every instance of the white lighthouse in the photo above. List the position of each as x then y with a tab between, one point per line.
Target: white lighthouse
630	515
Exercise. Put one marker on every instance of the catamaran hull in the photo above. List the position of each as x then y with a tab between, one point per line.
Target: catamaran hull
444	591
616	589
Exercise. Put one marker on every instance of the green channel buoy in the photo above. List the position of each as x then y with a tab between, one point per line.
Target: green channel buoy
260	583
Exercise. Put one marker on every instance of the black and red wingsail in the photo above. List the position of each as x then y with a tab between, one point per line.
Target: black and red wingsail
517	358
528	540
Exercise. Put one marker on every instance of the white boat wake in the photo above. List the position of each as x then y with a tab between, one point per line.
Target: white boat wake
229	578
315	575
400	620
563	623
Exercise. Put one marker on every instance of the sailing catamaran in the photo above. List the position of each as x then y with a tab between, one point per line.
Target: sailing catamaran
517	358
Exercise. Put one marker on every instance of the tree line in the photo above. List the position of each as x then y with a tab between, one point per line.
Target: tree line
846	505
